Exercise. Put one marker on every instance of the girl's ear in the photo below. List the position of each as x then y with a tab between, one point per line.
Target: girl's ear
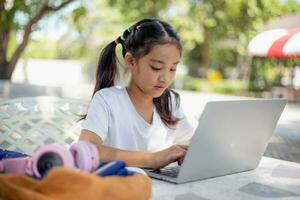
129	60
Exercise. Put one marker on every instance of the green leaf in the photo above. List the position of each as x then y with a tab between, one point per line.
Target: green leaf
78	13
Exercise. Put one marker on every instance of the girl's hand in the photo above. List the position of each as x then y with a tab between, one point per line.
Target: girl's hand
172	154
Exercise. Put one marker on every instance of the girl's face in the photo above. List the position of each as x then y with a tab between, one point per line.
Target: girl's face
156	71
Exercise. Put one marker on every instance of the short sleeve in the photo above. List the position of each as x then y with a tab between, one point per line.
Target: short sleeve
97	119
185	127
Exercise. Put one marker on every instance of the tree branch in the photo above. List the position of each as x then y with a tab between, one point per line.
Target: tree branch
44	9
63	4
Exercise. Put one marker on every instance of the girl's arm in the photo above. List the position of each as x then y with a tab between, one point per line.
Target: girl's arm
136	158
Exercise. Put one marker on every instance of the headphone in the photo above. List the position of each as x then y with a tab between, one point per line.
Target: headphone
82	155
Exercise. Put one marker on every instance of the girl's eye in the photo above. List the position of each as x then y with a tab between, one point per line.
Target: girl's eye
155	68
173	70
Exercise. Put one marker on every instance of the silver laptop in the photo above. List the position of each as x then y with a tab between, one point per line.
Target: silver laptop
231	137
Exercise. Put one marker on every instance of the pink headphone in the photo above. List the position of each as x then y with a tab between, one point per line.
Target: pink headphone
82	155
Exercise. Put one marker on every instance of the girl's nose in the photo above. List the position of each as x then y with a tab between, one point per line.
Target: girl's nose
163	77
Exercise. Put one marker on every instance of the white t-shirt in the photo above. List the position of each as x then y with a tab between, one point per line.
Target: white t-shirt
112	116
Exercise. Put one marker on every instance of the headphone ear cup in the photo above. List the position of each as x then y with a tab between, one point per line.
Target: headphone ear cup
85	155
95	156
50	156
81	156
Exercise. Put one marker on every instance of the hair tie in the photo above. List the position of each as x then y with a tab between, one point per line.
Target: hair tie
119	40
122	38
138	27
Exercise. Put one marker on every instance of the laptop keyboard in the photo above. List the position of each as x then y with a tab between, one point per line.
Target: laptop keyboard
168	171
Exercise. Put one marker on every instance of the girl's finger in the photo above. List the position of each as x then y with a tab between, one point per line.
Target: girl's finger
180	160
182	147
176	155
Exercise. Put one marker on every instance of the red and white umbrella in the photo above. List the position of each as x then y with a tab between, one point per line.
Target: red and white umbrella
277	43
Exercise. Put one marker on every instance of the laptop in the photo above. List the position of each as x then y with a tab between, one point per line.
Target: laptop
231	137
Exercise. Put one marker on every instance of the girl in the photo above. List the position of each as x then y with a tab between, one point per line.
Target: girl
140	123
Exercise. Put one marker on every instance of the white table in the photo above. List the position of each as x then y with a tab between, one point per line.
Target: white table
272	179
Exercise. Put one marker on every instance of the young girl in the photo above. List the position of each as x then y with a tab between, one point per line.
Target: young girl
140	123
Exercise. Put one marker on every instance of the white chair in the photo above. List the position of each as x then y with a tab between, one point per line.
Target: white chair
28	123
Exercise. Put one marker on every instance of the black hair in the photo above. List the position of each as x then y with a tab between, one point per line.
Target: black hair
139	39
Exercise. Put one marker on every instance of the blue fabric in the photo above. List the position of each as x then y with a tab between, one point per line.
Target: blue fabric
115	168
10	154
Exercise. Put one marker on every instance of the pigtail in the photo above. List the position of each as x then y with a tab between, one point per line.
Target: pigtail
164	106
107	67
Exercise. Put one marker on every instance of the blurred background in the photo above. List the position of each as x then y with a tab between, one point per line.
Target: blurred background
56	43
51	48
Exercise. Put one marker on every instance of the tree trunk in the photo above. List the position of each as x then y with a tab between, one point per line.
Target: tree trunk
5	71
4	64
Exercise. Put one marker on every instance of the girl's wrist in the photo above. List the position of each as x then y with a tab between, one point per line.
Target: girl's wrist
149	161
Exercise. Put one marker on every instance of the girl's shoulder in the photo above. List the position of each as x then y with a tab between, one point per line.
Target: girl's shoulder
111	94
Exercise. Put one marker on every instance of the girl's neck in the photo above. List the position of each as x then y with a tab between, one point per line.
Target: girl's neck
139	98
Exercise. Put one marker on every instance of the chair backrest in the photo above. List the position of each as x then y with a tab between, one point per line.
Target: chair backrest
28	123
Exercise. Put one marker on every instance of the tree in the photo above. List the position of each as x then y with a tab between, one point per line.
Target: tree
21	16
135	10
230	22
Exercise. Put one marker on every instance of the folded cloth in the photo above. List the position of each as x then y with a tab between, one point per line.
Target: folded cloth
63	183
